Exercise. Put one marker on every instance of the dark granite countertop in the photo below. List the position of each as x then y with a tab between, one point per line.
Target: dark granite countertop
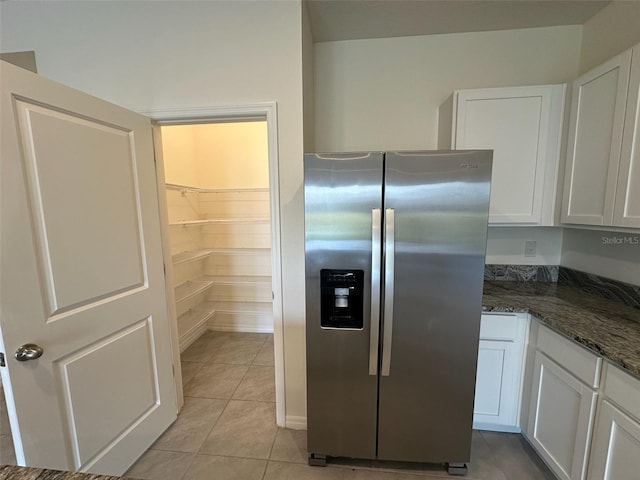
28	473
608	328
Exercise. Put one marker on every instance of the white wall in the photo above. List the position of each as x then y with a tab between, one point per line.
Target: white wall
233	155
613	255
162	55
505	245
385	93
307	80
611	31
179	155
217	155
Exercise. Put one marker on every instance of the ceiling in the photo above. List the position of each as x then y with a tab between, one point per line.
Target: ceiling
333	20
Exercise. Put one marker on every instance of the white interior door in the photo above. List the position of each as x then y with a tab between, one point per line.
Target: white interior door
82	277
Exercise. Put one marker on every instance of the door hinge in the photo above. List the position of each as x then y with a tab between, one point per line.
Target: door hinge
2	362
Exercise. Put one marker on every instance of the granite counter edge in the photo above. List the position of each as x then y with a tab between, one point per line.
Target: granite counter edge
566	332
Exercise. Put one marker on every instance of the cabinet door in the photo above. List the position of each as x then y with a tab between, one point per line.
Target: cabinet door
627	205
522	127
499	373
616	448
494	407
560	418
595	139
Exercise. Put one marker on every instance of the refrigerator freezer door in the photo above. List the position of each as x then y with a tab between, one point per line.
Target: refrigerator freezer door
343	195
440	201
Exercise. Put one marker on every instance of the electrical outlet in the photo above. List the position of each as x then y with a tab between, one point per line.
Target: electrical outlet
530	248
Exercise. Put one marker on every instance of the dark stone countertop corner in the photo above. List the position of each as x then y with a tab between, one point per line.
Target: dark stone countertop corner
606	327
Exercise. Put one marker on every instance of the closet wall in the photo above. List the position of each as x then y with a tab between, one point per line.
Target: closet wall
218	205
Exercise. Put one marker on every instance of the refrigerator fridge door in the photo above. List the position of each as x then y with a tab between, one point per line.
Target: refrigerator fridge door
343	200
436	207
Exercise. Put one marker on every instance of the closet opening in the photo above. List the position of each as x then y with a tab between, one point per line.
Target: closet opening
218	182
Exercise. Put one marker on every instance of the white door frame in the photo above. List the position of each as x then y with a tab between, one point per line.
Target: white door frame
256	111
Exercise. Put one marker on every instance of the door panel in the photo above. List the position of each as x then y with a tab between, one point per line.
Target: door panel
82	276
83	395
81	169
515	126
340	192
490	378
441	203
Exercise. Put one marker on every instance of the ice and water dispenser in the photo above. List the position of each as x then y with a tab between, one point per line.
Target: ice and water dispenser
342	299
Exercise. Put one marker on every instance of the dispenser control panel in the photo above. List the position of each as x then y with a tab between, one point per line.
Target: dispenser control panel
342	299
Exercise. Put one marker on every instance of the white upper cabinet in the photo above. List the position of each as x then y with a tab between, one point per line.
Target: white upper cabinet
602	177
626	212
522	125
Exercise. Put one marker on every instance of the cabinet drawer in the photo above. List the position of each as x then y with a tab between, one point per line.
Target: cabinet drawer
622	388
579	361
498	327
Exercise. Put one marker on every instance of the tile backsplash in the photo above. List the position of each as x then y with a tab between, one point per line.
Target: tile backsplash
522	273
587	282
601	286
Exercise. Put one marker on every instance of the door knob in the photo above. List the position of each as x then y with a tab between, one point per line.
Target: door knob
28	351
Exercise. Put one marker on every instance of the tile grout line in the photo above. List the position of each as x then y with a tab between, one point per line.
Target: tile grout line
275	436
193	459
228	401
212	427
241	380
184	384
195	454
264	472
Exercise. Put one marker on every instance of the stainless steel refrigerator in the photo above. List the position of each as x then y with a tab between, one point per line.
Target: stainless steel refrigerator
395	246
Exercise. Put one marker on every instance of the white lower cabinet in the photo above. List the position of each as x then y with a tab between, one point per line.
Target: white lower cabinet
581	415
616	449
561	388
560	417
499	373
615	453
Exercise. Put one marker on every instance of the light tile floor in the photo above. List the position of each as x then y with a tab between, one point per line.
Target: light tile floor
226	429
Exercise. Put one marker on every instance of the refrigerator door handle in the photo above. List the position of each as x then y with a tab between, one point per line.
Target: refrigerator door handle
389	265
376	251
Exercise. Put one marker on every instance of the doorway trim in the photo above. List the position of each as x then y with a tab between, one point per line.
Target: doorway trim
214	114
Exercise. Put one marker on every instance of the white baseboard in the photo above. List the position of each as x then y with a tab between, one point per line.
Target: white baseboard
231	323
245	328
295	423
193	334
